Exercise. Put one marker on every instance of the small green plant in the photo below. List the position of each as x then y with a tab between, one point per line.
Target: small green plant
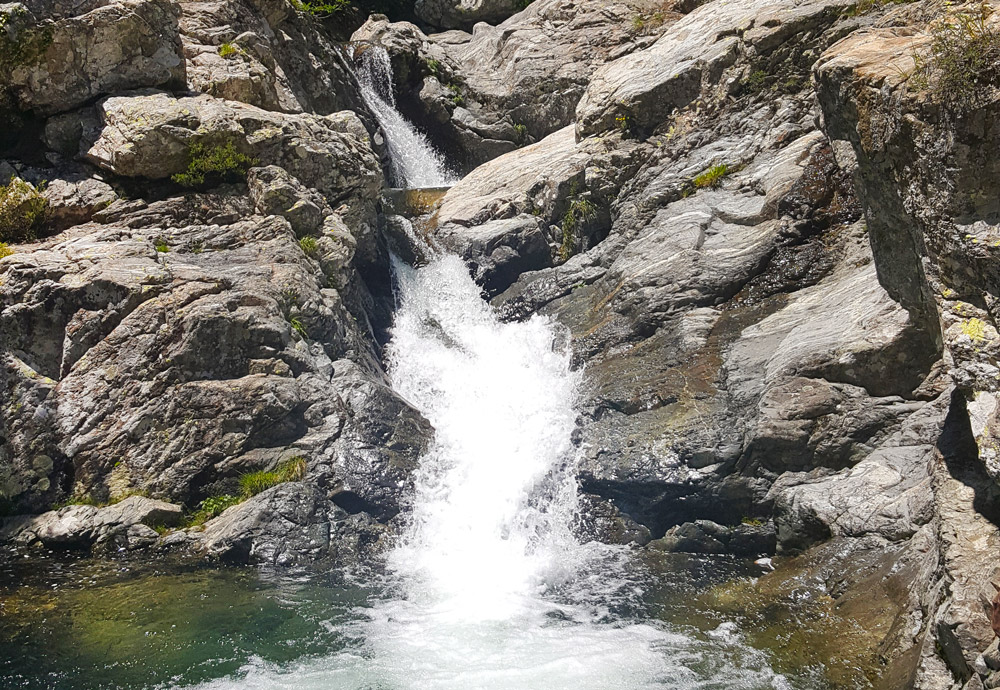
309	245
752	522
214	163
456	94
211	507
5	250
623	122
291	470
228	50
711	177
960	68
321	9
298	327
434	66
521	132
755	82
579	211
161	246
22	210
79	500
638	23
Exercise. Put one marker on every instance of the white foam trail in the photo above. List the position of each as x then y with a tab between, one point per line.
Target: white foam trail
413	160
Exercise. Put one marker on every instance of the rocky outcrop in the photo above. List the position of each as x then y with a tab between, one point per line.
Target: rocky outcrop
464	14
58	65
483	94
127	524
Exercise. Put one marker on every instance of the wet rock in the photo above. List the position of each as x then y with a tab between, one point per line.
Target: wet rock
290	524
82	526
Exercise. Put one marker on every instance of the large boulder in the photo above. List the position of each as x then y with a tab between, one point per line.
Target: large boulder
62	64
150	135
463	14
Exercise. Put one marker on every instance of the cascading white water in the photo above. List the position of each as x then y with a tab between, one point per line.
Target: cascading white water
488	588
413	160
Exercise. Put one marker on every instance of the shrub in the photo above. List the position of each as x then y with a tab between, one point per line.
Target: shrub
291	470
456	94
755	82
228	50
521	132
960	68
711	177
579	211
5	250
22	210
162	246
214	163
321	9
309	245
211	507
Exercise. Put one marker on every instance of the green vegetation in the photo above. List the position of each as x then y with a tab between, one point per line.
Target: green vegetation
321	9
162	246
755	82
211	507
579	211
214	163
456	94
23	45
752	522
80	500
5	250
22	210
309	245
292	470
642	22
521	132
711	177
298	327
228	50
960	68
522	4
434	66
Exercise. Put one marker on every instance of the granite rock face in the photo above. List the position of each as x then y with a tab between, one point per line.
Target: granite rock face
60	64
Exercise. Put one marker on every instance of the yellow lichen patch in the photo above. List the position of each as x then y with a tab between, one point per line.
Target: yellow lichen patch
976	329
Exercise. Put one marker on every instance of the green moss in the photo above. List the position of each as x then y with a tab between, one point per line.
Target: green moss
5	250
22	46
959	70
711	177
214	163
755	82
291	470
79	500
22	210
309	245
228	50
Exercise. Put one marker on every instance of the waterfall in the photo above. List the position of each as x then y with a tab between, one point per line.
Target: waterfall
487	588
413	161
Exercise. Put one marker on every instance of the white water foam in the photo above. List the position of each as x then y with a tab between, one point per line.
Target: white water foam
489	588
413	160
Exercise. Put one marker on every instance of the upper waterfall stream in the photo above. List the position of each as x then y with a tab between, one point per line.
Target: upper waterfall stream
413	160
